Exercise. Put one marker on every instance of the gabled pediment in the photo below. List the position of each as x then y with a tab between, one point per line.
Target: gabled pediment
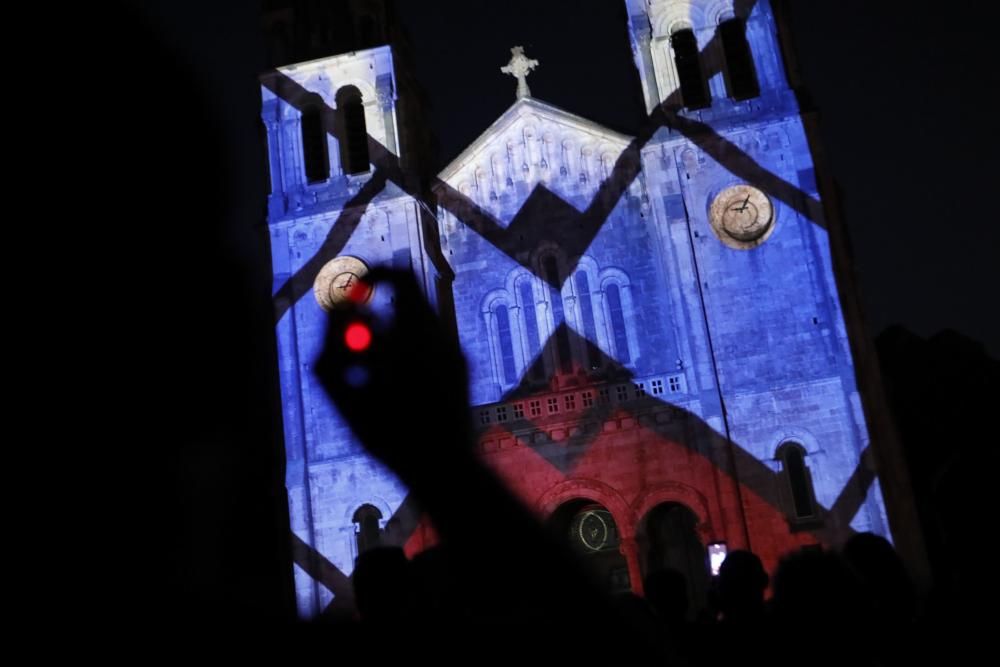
532	144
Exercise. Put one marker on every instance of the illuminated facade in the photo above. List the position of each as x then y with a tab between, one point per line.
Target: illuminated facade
658	355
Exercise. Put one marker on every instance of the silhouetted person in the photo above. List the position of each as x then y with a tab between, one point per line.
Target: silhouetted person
383	586
882	576
818	612
887	592
636	612
666	592
741	585
741	631
436	595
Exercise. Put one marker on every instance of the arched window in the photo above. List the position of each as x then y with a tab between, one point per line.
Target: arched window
367	531
741	77
353	133
506	342
694	90
565	360
526	296
582	284
616	317
317	161
799	481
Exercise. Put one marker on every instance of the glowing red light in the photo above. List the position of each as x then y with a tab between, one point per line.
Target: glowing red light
357	337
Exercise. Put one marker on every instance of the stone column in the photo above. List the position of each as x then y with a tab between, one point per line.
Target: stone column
643	38
277	201
629	548
273	148
387	104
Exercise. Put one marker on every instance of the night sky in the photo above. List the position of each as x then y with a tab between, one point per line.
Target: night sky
898	91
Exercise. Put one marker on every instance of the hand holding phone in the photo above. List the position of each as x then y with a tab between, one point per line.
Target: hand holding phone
396	375
716	555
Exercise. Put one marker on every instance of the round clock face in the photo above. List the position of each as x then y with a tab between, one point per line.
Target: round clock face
342	281
593	531
742	217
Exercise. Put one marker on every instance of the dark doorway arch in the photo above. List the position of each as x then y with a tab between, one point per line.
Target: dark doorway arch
668	539
593	535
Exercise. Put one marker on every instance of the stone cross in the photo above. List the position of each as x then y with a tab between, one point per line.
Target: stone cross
520	66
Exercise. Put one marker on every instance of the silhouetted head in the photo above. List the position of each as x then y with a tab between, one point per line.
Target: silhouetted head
741	585
815	589
433	582
881	574
636	613
666	592
383	587
631	605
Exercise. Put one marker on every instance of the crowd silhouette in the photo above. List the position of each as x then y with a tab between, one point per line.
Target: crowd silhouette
499	585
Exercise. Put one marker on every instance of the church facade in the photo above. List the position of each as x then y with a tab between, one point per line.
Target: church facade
658	355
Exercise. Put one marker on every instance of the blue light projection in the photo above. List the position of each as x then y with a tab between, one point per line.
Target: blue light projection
600	277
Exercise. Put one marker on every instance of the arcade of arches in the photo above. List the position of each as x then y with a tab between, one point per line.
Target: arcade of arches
621	558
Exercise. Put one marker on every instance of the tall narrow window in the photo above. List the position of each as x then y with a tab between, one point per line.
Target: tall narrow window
506	345
316	159
530	324
741	78
353	132
367	531
792	457
562	334
617	316
694	90
587	313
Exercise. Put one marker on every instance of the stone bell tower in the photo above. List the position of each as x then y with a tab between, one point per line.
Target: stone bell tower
344	197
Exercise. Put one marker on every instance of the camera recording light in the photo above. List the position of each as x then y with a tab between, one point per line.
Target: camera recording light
357	337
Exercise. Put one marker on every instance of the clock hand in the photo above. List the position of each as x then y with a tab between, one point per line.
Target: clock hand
745	202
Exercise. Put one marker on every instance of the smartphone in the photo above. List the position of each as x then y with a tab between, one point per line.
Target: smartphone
716	554
372	319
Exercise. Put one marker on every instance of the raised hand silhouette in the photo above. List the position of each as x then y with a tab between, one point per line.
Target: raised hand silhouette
398	378
391	366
